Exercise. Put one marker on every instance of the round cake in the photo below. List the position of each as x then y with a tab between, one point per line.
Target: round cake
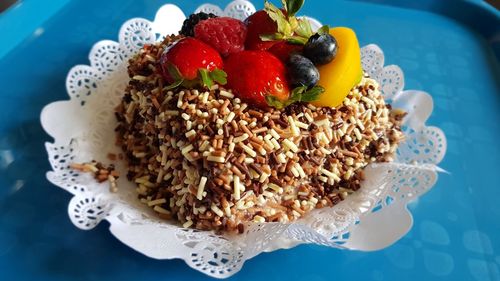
214	153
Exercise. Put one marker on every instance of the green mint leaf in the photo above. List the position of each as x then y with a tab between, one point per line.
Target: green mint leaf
304	28
293	6
205	78
312	94
174	85
298	40
325	29
219	76
174	72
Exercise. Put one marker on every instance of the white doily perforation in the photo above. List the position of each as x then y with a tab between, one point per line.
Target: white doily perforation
82	128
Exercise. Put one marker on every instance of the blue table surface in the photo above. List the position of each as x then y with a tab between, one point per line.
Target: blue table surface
447	51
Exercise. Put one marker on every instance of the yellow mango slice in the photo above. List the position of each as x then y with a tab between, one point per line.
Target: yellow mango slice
343	73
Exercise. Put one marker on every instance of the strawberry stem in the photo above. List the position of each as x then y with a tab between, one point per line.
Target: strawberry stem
299	94
174	85
205	79
289	27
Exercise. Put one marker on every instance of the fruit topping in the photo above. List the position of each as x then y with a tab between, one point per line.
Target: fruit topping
340	75
190	62
189	23
272	59
253	75
226	35
301	71
283	50
257	24
321	48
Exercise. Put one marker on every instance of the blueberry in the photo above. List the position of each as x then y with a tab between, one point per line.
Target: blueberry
321	48
301	71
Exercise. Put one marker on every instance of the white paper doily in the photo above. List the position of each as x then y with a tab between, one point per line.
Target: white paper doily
82	128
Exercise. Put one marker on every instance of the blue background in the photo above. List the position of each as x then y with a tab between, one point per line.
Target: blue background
445	47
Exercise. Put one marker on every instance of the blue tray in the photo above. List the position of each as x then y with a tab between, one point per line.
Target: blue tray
447	50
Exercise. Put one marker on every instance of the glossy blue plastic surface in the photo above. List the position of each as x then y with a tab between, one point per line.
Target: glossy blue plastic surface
448	52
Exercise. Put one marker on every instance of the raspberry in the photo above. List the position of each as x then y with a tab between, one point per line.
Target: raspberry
189	23
226	35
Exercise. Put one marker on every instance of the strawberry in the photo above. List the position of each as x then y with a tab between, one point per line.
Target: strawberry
189	55
259	24
190	60
253	75
226	35
283	50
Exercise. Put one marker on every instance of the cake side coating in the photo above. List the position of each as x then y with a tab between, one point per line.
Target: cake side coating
208	160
